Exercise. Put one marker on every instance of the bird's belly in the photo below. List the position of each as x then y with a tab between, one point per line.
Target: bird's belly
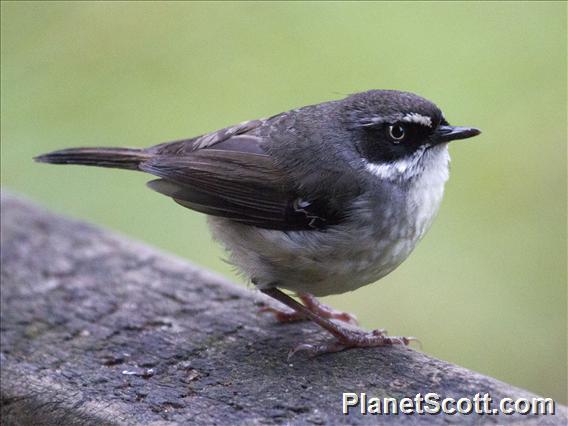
364	252
358	263
320	263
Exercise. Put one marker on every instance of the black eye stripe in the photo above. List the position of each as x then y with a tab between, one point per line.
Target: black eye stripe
413	132
377	146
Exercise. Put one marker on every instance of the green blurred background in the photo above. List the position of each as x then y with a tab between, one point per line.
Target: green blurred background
486	288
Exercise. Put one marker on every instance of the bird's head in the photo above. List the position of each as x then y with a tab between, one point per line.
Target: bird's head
399	134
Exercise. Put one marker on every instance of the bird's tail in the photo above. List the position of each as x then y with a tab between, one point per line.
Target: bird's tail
120	158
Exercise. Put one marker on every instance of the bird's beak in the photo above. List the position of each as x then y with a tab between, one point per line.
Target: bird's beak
452	133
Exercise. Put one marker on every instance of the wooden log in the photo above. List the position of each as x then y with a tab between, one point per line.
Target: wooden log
97	329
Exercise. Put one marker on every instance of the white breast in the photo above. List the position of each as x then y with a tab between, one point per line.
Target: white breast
427	190
405	226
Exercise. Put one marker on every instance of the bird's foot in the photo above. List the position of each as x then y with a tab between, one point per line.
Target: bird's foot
315	306
352	338
283	315
346	335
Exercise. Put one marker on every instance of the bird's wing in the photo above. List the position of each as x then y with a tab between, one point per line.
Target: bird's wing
185	146
228	174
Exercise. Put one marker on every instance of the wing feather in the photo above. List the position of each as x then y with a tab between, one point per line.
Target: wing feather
233	177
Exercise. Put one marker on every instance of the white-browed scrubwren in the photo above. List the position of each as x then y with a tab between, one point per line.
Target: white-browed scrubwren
319	200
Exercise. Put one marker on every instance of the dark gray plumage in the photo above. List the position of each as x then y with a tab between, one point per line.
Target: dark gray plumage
320	199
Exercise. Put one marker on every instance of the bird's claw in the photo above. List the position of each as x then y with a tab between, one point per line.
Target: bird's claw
312	351
315	306
353	339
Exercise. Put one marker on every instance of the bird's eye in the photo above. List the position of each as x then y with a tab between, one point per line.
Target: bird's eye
396	132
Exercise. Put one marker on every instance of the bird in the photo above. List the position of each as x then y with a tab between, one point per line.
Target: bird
315	201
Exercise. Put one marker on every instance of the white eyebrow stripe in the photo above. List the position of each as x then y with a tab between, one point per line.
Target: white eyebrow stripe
418	119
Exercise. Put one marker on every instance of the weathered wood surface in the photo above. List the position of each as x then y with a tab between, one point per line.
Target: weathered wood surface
98	329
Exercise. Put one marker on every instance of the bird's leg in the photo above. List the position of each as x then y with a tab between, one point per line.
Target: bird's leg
314	305
283	315
346	336
325	311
